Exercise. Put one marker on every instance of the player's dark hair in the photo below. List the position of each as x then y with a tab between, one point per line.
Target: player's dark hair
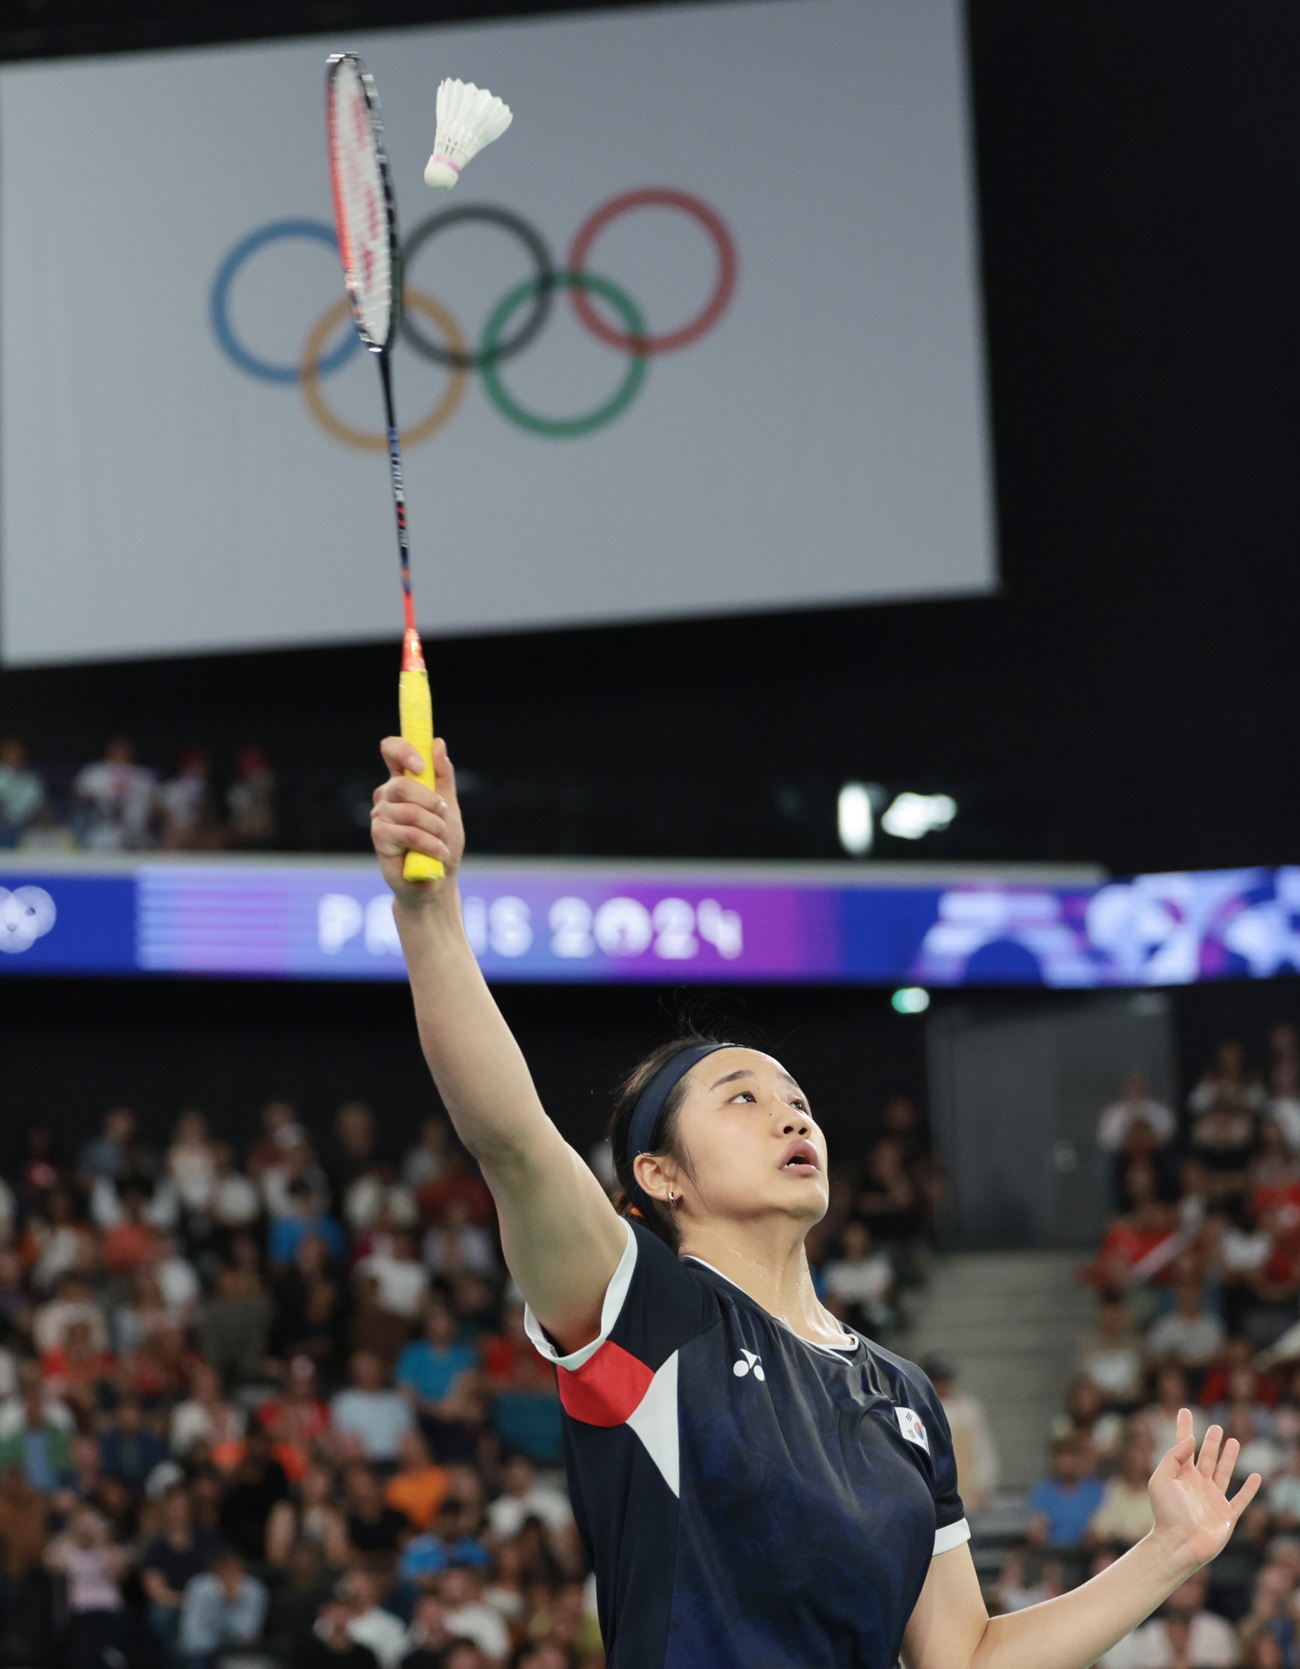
664	1140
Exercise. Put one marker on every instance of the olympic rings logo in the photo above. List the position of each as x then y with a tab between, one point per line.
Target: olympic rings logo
432	331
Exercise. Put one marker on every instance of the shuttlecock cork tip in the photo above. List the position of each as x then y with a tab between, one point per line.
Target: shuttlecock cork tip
469	118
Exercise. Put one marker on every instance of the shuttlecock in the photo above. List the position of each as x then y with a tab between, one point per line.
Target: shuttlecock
469	117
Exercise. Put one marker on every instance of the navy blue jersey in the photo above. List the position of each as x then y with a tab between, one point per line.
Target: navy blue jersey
748	1500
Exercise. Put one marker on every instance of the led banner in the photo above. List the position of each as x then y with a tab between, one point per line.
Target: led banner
319	920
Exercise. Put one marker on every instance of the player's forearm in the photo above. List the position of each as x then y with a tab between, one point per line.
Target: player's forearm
1075	1629
478	1067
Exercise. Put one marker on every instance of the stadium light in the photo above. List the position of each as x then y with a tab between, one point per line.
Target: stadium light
856	820
911	999
913	815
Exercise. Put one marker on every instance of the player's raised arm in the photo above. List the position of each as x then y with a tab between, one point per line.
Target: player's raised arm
562	1238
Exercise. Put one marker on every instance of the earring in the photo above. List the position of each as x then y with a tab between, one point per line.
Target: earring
672	1198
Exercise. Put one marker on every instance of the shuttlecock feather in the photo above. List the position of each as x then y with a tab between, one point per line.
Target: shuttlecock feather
469	117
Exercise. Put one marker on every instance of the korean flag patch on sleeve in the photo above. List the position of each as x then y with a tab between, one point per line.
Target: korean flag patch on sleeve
909	1423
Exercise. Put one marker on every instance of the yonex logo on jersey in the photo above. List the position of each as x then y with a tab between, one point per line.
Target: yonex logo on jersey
749	1363
909	1423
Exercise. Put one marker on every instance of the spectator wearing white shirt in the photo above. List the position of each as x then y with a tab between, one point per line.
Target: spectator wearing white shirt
1283	1105
973	1448
525	1497
1111	1356
1135	1106
191	1163
368	1623
117	798
860	1282
467	1616
377	1198
234	1202
400	1280
1190	1335
1184	1632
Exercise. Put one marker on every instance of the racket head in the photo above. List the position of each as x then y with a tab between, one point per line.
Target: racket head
365	214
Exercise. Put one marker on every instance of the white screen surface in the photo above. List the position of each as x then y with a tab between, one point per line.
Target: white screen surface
824	441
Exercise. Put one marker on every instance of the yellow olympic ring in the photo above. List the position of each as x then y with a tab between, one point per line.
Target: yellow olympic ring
362	439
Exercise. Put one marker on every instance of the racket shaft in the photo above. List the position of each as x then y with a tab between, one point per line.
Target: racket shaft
416	708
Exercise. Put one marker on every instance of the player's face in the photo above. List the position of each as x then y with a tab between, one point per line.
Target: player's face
753	1144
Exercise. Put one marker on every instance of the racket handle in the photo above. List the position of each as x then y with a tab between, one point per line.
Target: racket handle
416	708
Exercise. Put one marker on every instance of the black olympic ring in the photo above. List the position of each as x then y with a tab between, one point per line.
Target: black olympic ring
537	315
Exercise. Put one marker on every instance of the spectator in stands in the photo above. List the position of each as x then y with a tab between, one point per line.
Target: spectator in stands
223	1607
93	1569
295	1601
1225	1106
524	1496
1125	1515
376	1531
467	1616
368	1622
310	1512
111	1155
1283	1104
1184	1632
180	1551
1136	1127
22	793
456	1245
1191	1334
1086	1414
418	1488
425	1161
860	1282
1111	1355
370	1416
972	1441
1140	1245
36	1434
1061	1505
431	1369
252	1489
1160	1418
430	1639
128	1448
207	1417
353	1150
332	1646
250	801
186	809
117	800
233	1327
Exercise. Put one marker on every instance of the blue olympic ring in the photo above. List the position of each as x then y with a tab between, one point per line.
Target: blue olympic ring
219	303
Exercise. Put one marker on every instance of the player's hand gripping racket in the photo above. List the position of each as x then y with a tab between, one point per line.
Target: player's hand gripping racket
365	218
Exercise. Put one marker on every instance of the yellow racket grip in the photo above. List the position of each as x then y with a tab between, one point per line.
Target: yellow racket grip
415	705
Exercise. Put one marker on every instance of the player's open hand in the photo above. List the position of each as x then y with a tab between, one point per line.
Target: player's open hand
408	817
1189	1495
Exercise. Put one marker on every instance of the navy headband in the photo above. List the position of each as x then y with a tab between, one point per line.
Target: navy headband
650	1105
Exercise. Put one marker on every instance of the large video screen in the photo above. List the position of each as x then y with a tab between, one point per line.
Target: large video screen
769	394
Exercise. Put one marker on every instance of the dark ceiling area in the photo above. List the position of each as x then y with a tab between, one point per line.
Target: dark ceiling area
1129	697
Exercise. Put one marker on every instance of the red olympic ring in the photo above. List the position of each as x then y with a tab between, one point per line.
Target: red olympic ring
655	197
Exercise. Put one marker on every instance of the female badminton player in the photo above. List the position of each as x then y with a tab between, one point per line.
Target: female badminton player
757	1488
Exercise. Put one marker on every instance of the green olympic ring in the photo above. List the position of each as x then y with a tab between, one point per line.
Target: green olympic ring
563	428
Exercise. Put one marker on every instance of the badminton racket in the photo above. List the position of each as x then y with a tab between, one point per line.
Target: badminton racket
365	218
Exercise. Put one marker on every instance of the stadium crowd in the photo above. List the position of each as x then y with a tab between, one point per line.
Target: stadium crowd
277	1407
117	804
1197	1284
